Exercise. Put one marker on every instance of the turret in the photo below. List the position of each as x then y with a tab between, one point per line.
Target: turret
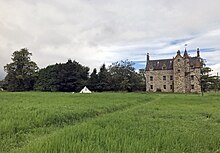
178	52
185	54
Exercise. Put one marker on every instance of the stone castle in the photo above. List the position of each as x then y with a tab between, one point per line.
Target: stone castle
181	74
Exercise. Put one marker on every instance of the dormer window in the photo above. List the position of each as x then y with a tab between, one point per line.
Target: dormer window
164	67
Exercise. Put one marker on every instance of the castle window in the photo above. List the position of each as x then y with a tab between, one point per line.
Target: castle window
164	78
178	60
179	71
151	78
192	77
151	86
192	87
171	77
164	87
171	87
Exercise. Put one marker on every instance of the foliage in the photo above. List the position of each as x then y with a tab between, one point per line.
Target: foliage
124	77
93	80
70	76
104	83
109	122
208	81
3	84
21	73
120	76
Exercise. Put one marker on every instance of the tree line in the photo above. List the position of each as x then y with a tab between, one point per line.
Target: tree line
23	74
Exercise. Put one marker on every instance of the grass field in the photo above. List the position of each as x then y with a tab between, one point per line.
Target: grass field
35	122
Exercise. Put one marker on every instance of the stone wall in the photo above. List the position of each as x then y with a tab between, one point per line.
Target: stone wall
187	75
196	81
158	82
179	74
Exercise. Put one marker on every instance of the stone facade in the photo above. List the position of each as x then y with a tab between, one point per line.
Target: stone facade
180	74
157	82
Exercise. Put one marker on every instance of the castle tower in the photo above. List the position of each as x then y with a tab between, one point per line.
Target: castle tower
179	73
195	73
187	71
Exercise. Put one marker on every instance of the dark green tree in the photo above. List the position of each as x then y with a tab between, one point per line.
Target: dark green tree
205	78
104	79
3	84
93	80
48	78
124	77
70	76
21	73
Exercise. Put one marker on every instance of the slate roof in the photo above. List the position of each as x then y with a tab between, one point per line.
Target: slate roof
159	64
168	63
195	62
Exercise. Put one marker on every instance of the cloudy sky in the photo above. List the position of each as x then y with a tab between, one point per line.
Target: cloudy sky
94	32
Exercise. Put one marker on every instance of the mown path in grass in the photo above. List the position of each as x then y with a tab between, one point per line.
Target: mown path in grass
170	123
25	117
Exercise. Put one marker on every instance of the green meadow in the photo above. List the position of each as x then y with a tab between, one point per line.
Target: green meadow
36	122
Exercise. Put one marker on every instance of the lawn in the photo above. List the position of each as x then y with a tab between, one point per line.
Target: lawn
35	122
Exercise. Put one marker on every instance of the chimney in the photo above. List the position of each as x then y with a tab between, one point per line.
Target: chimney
148	57
178	52
198	52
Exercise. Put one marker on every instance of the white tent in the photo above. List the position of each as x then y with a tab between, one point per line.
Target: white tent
85	90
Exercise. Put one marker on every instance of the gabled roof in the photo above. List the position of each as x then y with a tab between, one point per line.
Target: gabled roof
195	62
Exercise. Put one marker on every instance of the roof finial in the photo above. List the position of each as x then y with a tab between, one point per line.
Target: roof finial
185	46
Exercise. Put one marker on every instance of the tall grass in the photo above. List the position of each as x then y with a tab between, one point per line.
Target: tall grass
128	123
26	116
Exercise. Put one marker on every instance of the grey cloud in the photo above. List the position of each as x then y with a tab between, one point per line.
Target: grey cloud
97	31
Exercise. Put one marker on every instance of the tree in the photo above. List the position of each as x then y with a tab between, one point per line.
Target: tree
205	78
3	84
69	76
124	77
21	73
104	79
47	79
93	80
